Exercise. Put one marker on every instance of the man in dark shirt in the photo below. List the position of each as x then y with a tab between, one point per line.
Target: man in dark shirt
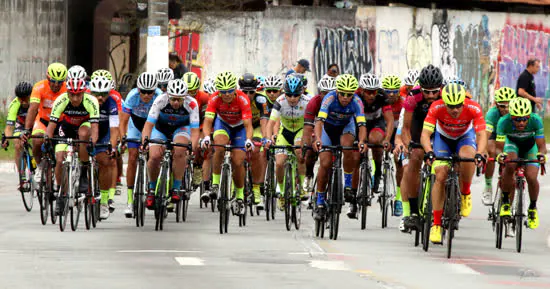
176	65
526	83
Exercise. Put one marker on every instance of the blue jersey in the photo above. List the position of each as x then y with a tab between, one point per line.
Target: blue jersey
136	108
332	112
108	117
167	119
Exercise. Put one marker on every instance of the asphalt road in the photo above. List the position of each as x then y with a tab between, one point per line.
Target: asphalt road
118	255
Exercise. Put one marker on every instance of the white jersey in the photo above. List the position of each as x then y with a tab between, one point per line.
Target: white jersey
291	117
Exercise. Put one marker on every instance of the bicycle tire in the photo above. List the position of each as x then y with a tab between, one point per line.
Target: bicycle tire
451	233
297	206
137	194
53	203
427	224
63	198
249	195
88	213
335	223
269	189
451	211
499	232
518	218
26	177
288	195
161	197
75	214
185	210
335	198
179	211
43	195
363	191
384	201
201	192
224	198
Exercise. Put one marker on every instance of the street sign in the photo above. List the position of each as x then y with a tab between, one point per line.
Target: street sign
153	31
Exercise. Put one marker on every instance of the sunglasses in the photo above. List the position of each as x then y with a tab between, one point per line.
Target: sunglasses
346	95
100	94
163	85
293	95
192	92
271	90
56	81
229	91
392	91
520	118
432	91
454	106
176	98
502	106
144	91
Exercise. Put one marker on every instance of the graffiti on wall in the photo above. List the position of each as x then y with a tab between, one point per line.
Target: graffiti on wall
389	51
349	47
187	45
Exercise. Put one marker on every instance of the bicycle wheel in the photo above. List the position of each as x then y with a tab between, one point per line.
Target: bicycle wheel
427	192
269	189
160	199
334	223
88	209
297	205
43	195
451	212
179	210
451	233
363	194
384	200
185	210
63	198
201	192
25	181
288	195
75	213
225	186
499	232
337	191
518	216
138	193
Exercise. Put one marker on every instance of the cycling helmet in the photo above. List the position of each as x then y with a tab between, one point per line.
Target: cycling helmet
520	106
391	82
248	82
226	80
326	84
23	89
77	71
346	82
430	77
147	81
293	85
76	85
453	94
177	88
453	79
261	82
100	84
302	77
164	75
102	72
273	82
209	86
369	81
57	72
505	94
412	77
192	80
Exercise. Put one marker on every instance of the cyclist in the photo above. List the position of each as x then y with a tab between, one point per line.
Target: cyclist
100	88
303	78
174	116
164	75
409	82
17	112
289	110
43	95
233	123
209	86
335	125
416	108
520	134
202	166
458	127
502	99
135	110
75	114
77	71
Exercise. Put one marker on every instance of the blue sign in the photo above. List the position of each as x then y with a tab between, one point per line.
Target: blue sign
153	31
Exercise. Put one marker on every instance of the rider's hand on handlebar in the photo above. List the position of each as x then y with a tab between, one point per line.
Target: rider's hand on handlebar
480	160
318	145
205	142
429	158
363	148
542	158
387	145
25	134
249	145
501	157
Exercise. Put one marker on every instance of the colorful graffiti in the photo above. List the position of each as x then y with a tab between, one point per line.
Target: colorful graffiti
349	47
389	51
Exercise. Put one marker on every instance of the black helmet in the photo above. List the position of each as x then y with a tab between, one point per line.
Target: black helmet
430	77
23	89
248	82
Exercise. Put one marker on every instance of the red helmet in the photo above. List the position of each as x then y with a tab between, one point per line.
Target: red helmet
76	85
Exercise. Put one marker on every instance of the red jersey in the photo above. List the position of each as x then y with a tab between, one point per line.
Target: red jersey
396	109
117	97
312	109
232	113
453	128
202	99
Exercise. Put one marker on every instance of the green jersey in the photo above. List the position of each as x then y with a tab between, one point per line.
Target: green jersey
491	119
507	130
17	113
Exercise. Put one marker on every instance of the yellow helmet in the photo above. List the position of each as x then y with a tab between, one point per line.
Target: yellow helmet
505	94
57	72
520	106
453	94
102	72
226	80
192	80
347	83
391	82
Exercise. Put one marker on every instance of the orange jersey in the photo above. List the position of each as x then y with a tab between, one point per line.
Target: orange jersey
42	94
439	118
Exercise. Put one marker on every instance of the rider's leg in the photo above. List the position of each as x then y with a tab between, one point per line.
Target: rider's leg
179	162
376	136
106	171
237	163
490	168
131	171
467	149
438	190
153	165
409	189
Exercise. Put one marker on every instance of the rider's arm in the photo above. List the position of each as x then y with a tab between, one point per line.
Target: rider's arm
124	118
147	128
480	128
274	118
248	127
33	107
12	116
501	136
425	140
388	117
428	129
95	132
541	144
539	135
51	129
406	131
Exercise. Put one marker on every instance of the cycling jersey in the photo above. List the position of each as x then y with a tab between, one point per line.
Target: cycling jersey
17	112
403	91
258	107
332	112
292	117
378	107
137	109
312	109
64	112
108	118
491	118
396	108
202	100
506	129
417	104
42	94
115	95
232	113
168	119
453	128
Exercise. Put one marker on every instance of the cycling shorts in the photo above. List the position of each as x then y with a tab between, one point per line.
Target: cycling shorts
104	140
184	131
39	126
257	135
525	150
236	135
133	133
445	147
377	125
331	134
286	138
67	131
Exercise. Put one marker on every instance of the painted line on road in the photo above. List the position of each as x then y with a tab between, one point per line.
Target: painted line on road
189	261
156	251
329	265
522	284
476	261
462	269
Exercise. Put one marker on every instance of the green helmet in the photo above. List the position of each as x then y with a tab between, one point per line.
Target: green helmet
520	106
347	83
192	80
226	80
391	82
102	72
504	94
57	72
453	94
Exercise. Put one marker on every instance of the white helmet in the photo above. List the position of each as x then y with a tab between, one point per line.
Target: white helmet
164	75
177	88
327	83
369	81
77	71
209	86
147	81
412	77
274	81
100	84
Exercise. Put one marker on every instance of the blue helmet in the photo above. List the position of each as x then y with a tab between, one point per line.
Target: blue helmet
293	85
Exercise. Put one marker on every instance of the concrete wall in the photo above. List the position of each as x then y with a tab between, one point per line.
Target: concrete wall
32	35
486	49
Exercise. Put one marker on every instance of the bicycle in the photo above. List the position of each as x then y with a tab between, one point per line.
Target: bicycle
187	189
386	198
518	209
424	208
45	189
27	166
293	188
164	180
270	187
140	183
93	195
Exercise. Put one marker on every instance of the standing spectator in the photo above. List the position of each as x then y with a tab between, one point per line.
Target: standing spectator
333	70
526	83
301	67
176	65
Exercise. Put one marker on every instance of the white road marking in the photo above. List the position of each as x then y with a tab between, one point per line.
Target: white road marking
156	251
329	265
462	269
190	261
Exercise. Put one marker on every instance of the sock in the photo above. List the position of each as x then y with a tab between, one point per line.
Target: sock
437	217
104	197
112	193
153	185
176	184
398	195
466	188
302	178
413	205
206	185
406	209
118	180
321	198
505	197
533	205
347	179
130	195
489	182
216	179
255	188
239	193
